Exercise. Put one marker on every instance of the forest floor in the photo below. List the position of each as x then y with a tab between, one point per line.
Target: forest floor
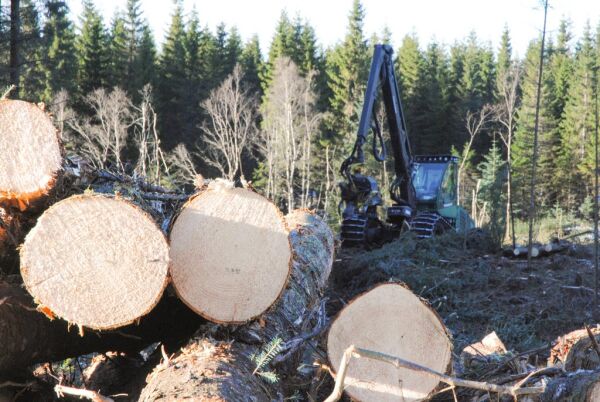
476	293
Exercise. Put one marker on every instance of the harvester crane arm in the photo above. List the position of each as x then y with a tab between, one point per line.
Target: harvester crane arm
382	76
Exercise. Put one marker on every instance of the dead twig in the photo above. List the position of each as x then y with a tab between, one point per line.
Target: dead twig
94	396
593	340
7	92
353	351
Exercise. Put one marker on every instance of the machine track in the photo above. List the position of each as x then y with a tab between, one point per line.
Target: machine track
428	224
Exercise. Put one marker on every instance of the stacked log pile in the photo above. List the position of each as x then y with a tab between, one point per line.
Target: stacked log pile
225	274
99	261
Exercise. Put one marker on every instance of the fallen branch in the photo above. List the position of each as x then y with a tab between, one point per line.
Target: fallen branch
353	351
82	393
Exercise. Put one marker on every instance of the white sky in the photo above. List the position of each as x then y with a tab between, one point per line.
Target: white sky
444	20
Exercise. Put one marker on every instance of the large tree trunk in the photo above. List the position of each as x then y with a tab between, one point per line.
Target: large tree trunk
390	319
95	261
28	336
230	254
31	154
215	368
580	386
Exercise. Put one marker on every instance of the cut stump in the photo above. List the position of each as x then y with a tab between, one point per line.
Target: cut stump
390	319
95	261
230	254
30	156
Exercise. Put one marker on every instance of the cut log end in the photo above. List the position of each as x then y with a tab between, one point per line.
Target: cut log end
230	254
95	261
390	319
31	152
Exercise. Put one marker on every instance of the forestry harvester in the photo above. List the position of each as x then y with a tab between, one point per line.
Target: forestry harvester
424	189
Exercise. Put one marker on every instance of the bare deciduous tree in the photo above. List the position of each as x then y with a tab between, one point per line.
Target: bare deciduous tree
505	113
151	160
61	111
290	121
103	136
475	122
230	129
182	166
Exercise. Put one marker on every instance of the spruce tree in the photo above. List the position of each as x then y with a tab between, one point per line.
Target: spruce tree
561	67
252	64
92	50
134	26
219	65
308	57
172	80
145	62
522	149
493	180
454	96
347	70
478	79
118	52
410	65
281	45
505	61
60	63
32	75
195	75
435	137
577	125
233	50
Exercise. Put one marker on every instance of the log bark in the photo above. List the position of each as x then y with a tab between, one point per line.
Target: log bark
27	336
31	154
230	254
576	350
95	261
213	367
392	320
580	386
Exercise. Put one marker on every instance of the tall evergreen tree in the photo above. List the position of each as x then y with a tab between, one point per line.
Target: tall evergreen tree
435	137
523	142
145	62
478	80
195	75
561	67
233	50
134	26
410	65
505	59
32	53
493	180
252	64
172	80
60	63
454	95
118	52
347	71
92	50
281	45
577	125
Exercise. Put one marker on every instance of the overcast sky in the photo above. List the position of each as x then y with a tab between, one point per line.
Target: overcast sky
444	20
